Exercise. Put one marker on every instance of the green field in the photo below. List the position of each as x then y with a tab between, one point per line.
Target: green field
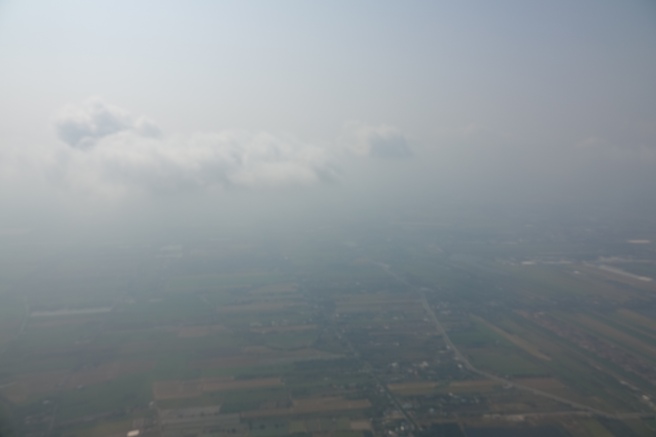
334	324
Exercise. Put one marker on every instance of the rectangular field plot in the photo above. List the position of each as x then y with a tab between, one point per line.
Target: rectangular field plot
312	405
458	387
505	363
164	390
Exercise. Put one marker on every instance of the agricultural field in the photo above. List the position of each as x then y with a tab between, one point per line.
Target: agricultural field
441	330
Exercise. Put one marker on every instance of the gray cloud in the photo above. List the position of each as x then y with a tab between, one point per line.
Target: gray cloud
381	141
82	126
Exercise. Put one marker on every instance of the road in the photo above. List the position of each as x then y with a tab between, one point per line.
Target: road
460	357
465	362
370	371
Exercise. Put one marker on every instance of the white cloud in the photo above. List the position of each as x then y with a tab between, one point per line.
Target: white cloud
107	153
112	152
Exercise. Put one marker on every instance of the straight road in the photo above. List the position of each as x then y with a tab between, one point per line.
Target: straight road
460	357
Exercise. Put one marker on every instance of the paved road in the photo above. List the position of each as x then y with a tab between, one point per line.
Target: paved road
369	369
465	362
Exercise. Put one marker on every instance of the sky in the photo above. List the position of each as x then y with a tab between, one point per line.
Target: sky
202	113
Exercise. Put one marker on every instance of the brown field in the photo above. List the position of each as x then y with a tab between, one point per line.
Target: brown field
31	385
361	425
621	337
289	328
377	302
587	428
217	384
554	387
106	372
638	319
620	295
475	385
163	390
511	410
514	339
413	388
189	389
311	405
262	357
406	309
199	331
545	384
259	307
276	289
243	360
107	428
48	322
250	350
426	387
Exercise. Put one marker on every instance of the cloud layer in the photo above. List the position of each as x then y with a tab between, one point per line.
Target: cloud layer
111	150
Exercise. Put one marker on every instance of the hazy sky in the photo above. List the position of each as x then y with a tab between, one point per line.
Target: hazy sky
116	109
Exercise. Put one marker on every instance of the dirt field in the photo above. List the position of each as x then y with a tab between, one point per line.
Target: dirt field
606	275
50	322
259	307
413	388
106	372
361	425
290	328
545	384
188	389
424	387
33	385
617	335
553	386
378	302
312	405
199	331
514	339
477	385
255	357
276	289
638	319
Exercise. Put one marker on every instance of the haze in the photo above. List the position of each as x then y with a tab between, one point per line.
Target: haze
353	218
125	113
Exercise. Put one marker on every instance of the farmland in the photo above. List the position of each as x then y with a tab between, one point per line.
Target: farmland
464	329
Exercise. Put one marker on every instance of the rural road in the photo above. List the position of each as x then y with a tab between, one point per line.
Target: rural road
459	356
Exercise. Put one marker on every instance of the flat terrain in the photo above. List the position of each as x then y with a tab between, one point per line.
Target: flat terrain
463	328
